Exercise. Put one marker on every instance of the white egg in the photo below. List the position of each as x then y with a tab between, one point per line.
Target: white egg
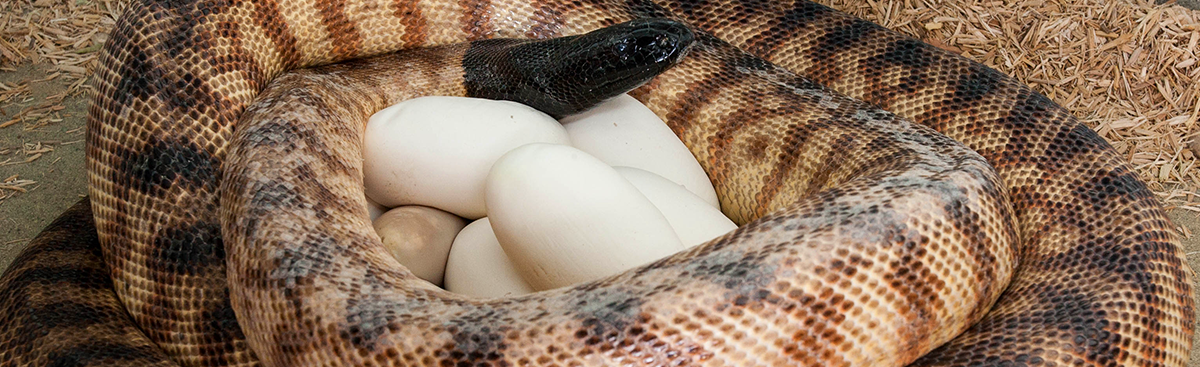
479	267
420	238
694	221
375	209
436	151
624	132
565	217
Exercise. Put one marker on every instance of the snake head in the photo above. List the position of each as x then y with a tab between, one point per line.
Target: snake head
626	55
567	75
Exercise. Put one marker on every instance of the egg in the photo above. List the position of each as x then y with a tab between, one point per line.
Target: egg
565	217
375	209
693	219
420	238
624	132
437	151
479	267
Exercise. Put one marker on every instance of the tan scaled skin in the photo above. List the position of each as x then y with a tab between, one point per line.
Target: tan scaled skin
929	235
867	240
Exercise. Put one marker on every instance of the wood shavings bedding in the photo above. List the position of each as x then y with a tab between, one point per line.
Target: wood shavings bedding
1128	69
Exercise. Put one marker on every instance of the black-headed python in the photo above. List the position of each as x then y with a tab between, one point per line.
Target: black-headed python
230	232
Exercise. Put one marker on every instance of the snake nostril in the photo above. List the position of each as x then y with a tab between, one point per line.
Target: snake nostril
666	42
652	47
649	43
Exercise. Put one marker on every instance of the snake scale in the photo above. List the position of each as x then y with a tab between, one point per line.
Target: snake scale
220	230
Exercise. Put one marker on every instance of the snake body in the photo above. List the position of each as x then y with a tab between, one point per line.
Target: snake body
233	237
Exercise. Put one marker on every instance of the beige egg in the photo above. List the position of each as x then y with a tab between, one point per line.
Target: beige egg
436	151
479	267
565	217
623	132
694	221
420	238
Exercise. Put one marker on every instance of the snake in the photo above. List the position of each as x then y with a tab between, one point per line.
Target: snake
898	204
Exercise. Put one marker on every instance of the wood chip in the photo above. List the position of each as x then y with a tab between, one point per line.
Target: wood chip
72	69
14	185
1194	145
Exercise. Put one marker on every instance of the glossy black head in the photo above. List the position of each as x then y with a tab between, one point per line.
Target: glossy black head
568	75
624	56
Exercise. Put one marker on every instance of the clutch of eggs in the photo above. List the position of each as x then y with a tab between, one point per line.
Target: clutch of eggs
493	198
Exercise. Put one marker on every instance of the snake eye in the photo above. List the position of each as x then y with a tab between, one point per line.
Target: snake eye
624	49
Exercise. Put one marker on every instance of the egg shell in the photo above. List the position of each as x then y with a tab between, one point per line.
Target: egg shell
479	267
565	217
420	238
375	209
436	151
693	219
624	132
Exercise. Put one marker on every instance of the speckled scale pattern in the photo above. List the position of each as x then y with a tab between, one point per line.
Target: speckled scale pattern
1081	209
876	248
289	275
58	306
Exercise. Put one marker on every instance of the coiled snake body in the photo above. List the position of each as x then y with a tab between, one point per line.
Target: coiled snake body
235	234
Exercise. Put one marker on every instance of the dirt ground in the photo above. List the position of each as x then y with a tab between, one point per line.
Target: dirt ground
52	157
55	162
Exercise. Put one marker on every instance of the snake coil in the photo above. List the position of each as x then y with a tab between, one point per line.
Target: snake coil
900	205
